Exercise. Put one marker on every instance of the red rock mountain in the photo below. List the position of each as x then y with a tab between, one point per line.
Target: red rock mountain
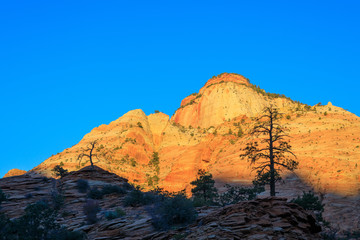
203	133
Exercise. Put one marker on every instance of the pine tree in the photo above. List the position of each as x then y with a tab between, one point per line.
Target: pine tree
274	152
204	191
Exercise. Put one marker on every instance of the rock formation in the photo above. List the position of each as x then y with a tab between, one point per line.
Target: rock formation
205	133
269	218
14	172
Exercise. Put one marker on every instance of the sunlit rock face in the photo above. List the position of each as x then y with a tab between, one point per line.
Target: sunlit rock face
222	98
14	172
203	133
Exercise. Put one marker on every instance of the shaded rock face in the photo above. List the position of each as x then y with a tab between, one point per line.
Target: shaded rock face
14	172
269	218
31	188
266	218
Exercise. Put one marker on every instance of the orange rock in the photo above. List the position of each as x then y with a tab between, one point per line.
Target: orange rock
14	172
203	134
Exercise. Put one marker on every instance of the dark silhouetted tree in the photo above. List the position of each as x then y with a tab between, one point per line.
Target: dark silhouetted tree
274	152
88	152
59	171
204	191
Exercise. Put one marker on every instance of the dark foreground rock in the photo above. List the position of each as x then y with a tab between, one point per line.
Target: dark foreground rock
268	218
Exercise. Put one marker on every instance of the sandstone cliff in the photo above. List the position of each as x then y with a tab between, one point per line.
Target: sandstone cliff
203	134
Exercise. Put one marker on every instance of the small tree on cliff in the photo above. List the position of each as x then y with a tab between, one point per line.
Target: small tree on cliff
274	152
88	152
204	191
59	171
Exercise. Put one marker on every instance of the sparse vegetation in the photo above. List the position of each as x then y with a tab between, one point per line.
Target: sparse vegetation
237	194
240	132
153	180
192	101
110	189
115	214
38	222
137	198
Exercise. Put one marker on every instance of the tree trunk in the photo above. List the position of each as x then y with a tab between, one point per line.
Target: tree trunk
272	169
91	162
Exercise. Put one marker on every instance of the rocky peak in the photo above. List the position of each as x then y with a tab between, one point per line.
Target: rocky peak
14	172
227	77
225	97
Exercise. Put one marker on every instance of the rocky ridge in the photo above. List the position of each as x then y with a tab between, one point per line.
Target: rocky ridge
272	217
268	218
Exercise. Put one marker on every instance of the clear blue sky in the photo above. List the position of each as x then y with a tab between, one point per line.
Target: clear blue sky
69	66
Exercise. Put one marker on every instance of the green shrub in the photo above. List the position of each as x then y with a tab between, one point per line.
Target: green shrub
37	223
7	228
240	132
137	198
133	162
127	186
3	197
95	193
28	196
82	185
109	189
310	202
154	161
174	210
64	234
115	214
90	209
57	200
238	194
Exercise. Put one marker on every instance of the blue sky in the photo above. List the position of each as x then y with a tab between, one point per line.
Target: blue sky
69	66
